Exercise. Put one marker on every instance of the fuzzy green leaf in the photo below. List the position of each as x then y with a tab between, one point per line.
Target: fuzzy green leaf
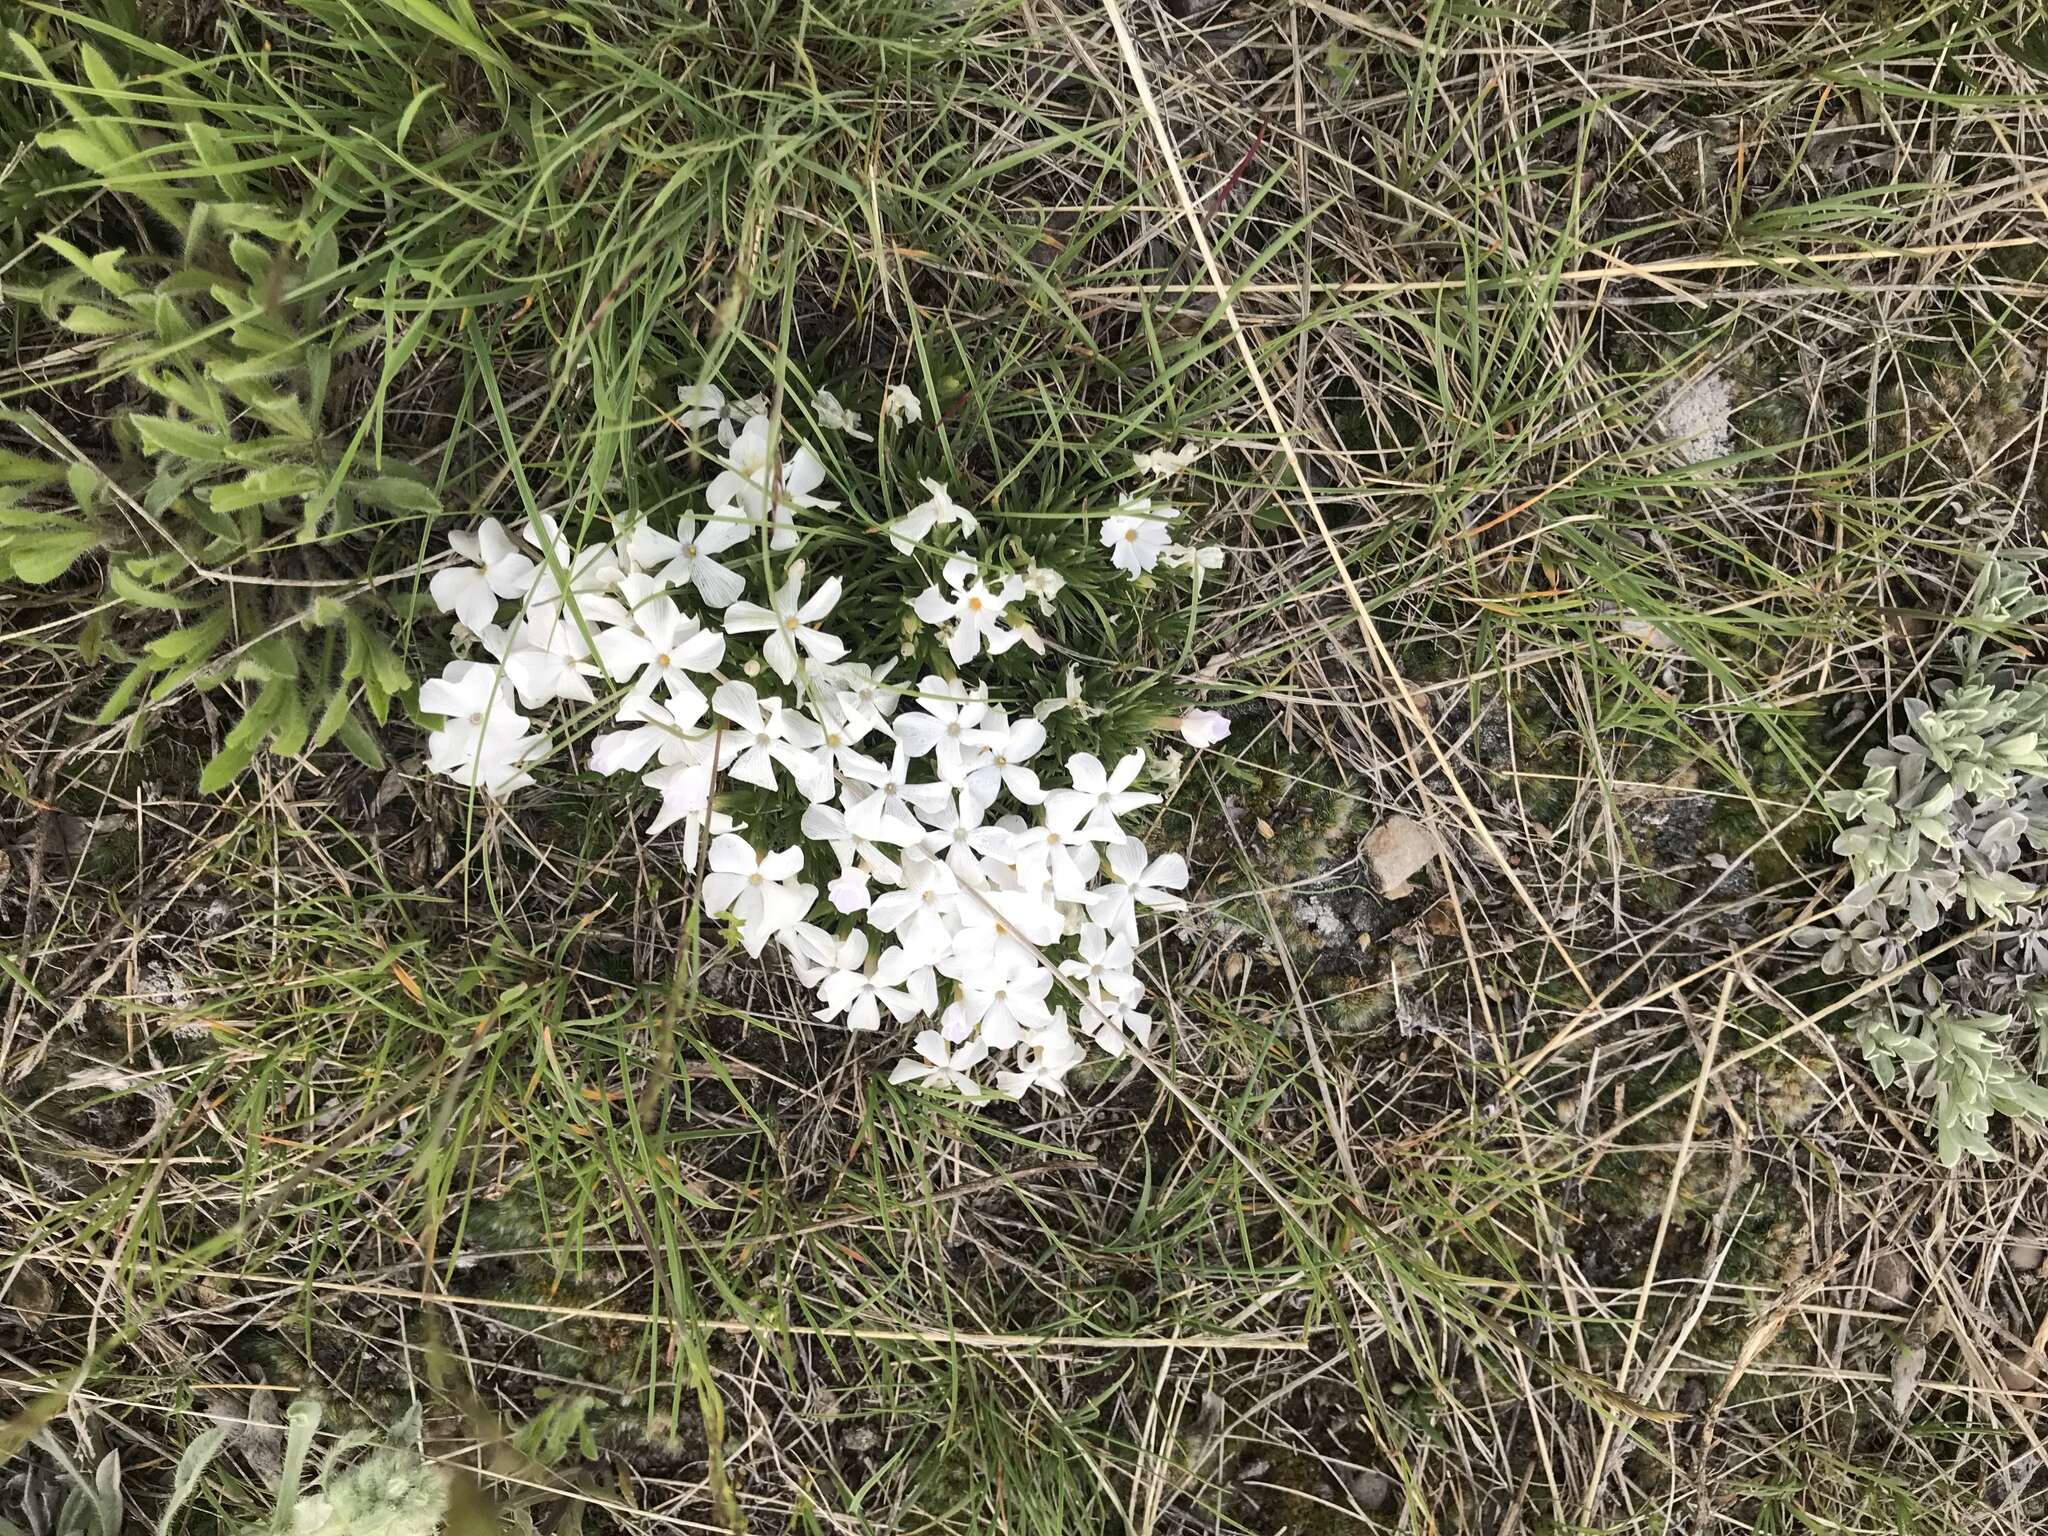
104	269
194	396
353	734
125	579
263	487
331	717
190	641
270	661
42	556
256	219
212	150
288	736
123	694
166	435
93	320
84	482
191	1467
225	766
396	493
28	472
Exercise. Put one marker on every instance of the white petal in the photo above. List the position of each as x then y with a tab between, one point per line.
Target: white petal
749	618
753	766
719	586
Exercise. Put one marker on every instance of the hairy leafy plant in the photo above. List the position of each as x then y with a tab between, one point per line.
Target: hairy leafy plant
53	1494
392	1490
1943	839
227	508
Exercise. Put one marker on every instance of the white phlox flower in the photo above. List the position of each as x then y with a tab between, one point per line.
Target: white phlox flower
484	742
1104	970
901	405
702	405
582	580
937	510
790	621
761	489
1043	583
974	611
1060	863
848	890
860	860
845	722
1001	928
694	563
1136	881
659	646
956	829
1004	762
1203	727
642	547
1135	534
1044	1058
1110	1027
814	953
1182	557
759	891
545	656
1161	462
920	913
946	725
1097	797
765	734
686	788
939	1064
497	569
668	732
862	688
1002	1007
987	897
837	418
882	802
858	988
1071	699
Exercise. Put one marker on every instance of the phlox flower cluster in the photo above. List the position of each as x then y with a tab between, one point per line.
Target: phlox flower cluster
947	880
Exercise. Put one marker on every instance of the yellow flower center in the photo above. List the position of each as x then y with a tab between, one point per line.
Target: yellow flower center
1130	535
